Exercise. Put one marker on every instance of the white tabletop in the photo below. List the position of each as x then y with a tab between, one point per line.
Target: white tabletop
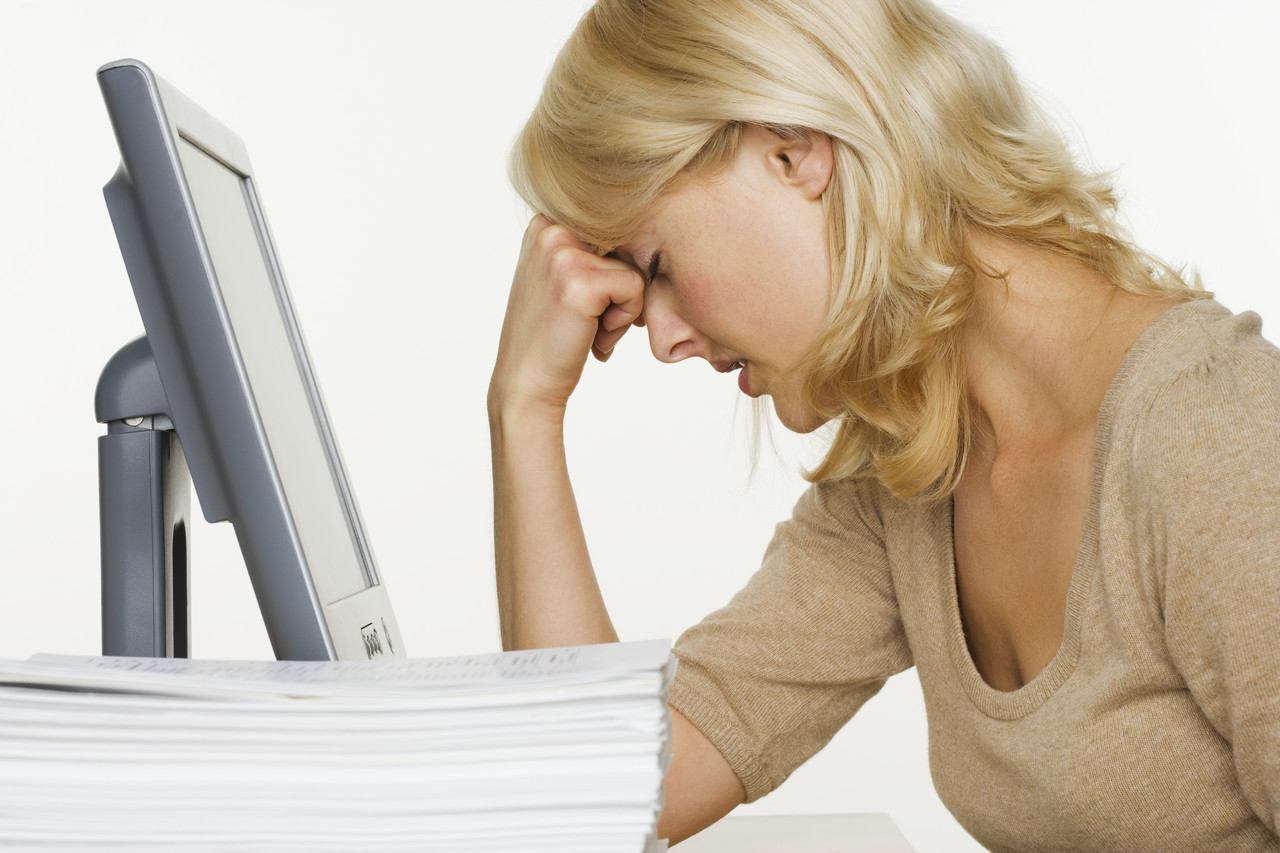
835	833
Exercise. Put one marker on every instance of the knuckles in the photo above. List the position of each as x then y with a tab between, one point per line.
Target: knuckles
571	273
549	237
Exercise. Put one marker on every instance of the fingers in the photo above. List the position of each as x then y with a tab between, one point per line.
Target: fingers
602	346
614	323
566	300
620	316
603	287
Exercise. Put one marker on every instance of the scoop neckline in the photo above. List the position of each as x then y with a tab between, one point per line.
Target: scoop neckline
1014	704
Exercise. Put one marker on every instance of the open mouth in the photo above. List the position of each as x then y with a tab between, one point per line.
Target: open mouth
744	384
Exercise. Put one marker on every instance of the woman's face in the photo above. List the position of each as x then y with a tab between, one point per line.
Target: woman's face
738	268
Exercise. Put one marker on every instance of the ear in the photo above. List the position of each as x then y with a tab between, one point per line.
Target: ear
802	159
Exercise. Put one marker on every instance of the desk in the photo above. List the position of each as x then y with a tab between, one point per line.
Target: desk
835	833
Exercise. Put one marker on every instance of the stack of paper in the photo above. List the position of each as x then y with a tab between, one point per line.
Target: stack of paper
554	750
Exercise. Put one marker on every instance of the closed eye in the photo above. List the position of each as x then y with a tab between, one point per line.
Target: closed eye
653	268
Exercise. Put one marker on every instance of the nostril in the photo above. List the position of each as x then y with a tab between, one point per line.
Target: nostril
680	351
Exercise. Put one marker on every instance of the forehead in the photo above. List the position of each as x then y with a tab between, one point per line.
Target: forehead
689	203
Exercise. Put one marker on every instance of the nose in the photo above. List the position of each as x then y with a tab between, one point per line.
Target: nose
672	338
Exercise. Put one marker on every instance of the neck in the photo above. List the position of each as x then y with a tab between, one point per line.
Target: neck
1042	345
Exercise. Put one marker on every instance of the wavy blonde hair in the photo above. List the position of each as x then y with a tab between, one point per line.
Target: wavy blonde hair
933	136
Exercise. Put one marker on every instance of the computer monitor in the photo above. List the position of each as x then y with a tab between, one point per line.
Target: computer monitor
242	395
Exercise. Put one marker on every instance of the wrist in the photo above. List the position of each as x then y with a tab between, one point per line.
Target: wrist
521	412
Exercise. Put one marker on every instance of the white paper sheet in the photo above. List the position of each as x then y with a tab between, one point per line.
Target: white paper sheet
560	750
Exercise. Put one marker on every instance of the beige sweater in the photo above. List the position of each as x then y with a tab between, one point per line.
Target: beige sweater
1156	726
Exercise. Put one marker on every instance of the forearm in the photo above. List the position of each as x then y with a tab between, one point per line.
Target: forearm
566	302
547	590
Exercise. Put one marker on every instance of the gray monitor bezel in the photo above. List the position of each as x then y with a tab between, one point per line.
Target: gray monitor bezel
204	377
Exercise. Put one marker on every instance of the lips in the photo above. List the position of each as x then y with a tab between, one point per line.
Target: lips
730	366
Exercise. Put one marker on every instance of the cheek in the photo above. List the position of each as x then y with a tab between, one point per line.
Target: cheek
732	277
756	309
753	270
720	303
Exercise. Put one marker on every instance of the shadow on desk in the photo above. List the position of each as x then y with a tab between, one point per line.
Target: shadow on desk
836	833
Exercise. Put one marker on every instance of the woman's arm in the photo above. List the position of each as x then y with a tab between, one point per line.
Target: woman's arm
567	301
547	590
1209	471
548	596
701	786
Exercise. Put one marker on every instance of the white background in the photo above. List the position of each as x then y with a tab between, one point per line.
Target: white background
380	137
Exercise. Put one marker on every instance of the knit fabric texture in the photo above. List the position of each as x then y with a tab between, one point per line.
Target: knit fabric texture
1157	724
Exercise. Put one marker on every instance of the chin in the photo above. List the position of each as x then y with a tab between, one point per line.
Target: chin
798	418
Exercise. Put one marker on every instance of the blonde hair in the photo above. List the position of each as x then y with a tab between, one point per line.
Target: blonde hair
933	136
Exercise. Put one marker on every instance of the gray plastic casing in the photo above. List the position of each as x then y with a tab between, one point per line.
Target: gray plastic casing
144	503
210	399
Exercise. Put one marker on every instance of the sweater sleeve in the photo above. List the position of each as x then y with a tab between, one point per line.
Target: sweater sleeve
1210	457
770	678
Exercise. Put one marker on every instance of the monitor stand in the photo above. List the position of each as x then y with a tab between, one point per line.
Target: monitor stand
144	499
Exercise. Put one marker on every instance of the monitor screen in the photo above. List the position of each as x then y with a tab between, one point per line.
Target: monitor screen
251	290
234	366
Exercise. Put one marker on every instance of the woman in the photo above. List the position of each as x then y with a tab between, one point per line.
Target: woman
1053	485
